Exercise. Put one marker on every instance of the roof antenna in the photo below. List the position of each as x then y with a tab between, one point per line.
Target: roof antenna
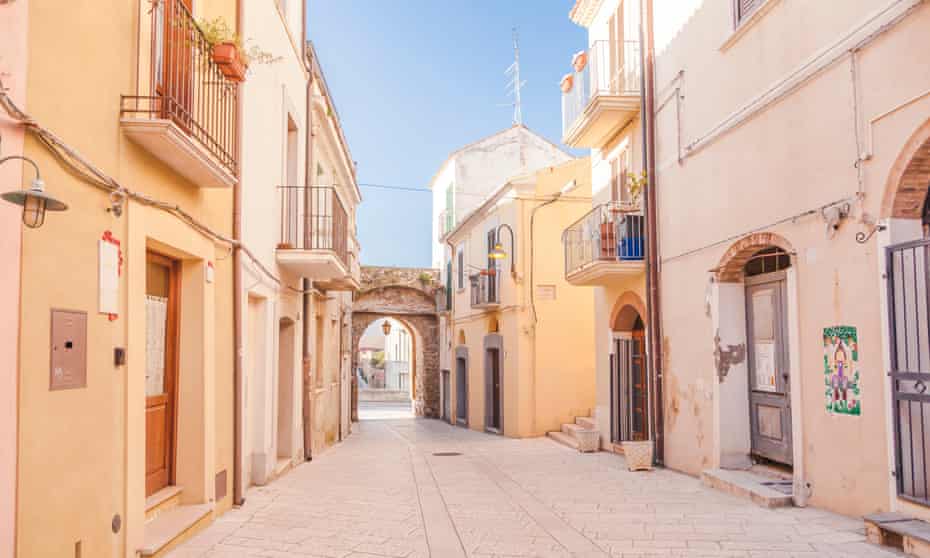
515	83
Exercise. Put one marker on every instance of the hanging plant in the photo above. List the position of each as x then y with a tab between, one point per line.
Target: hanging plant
231	53
580	60
568	81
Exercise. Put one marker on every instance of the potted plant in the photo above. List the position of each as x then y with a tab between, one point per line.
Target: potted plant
635	185
579	61
229	52
567	82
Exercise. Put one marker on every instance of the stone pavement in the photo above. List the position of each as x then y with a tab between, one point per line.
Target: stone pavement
385	492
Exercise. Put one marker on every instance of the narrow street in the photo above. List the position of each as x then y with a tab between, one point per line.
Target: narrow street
389	491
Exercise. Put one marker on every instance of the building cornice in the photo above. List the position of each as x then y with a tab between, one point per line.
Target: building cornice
584	11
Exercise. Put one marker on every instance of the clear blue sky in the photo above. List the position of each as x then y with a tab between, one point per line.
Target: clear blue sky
414	80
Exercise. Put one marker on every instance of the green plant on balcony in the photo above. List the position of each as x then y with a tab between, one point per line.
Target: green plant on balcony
231	52
635	184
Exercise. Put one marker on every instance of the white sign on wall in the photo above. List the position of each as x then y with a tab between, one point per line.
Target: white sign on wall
108	275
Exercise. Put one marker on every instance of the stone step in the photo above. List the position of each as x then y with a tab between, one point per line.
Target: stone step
586	422
564	439
172	526
744	484
572	428
899	531
165	499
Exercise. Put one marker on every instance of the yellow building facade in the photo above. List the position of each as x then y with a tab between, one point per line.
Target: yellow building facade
522	350
126	317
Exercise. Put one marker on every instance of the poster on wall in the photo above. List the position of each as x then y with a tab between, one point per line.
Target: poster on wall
764	364
841	370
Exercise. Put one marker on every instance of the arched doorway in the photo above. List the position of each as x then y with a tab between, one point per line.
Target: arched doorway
407	296
752	353
384	370
906	253
629	378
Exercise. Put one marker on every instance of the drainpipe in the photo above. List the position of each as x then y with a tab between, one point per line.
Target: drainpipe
238	499
305	283
653	298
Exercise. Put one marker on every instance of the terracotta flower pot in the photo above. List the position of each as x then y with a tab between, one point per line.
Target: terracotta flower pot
229	59
567	82
580	60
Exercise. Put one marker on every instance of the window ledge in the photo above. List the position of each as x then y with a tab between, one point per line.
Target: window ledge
754	18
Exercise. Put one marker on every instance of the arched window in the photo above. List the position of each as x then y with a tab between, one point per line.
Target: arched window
767	260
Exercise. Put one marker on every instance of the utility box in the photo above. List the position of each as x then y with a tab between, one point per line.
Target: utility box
68	350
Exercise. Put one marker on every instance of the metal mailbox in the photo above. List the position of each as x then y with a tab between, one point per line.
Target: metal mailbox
68	350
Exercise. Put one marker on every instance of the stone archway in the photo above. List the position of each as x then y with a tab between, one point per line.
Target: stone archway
408	295
730	268
907	183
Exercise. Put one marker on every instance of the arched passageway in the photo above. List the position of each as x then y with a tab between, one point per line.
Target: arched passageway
406	296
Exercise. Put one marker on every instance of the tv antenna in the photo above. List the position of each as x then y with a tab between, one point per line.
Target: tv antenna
515	83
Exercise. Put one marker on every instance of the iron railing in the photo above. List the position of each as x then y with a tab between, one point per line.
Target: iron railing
485	288
314	218
186	86
613	68
609	232
908	276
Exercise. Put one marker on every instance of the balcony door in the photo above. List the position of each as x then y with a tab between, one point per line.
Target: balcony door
162	296
175	37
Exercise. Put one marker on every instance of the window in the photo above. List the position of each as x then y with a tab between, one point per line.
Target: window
460	262
742	9
450	207
619	176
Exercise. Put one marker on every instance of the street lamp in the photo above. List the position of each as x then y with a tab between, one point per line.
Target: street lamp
498	253
35	201
386	327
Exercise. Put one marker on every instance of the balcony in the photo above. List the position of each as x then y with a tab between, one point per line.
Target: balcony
604	245
485	289
604	96
315	238
184	111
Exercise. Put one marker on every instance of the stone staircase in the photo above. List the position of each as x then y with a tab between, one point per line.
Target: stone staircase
581	435
168	522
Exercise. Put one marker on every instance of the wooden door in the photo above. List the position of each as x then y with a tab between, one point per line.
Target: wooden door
639	388
174	70
446	397
769	390
494	401
162	294
461	391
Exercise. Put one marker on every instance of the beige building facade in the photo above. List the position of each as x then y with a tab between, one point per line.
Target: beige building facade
513	318
792	260
605	249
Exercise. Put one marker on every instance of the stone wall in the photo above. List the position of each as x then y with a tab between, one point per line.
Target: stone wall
410	296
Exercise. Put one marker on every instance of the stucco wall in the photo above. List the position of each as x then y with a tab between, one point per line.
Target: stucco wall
772	173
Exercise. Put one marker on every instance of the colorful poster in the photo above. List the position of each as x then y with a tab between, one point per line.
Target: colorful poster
841	370
764	363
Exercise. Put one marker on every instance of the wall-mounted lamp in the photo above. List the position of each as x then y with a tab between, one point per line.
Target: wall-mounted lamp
386	327
34	201
498	253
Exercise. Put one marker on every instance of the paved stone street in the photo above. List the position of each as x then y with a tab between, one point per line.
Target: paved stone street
386	492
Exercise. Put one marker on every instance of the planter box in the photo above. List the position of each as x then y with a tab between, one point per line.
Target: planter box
638	455
227	57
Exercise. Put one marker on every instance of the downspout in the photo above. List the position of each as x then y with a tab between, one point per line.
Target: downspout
305	312
238	499
653	298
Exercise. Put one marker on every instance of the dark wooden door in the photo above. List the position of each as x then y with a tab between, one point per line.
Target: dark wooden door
446	397
162	294
494	402
769	390
639	388
461	391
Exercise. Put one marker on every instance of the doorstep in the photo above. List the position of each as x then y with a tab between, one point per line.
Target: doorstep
173	526
765	491
899	531
166	498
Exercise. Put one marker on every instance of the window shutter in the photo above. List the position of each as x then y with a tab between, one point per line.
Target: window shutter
449	285
744	9
450	207
461	264
624	173
614	180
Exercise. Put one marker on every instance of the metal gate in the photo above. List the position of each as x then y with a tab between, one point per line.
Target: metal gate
908	277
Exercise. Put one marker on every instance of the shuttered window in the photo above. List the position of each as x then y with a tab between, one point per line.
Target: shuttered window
742	9
460	262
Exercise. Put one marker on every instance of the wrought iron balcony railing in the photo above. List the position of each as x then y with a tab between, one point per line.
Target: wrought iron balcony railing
185	85
485	288
610	232
612	69
314	218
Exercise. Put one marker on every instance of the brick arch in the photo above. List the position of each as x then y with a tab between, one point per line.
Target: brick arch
730	268
626	309
909	177
405	295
